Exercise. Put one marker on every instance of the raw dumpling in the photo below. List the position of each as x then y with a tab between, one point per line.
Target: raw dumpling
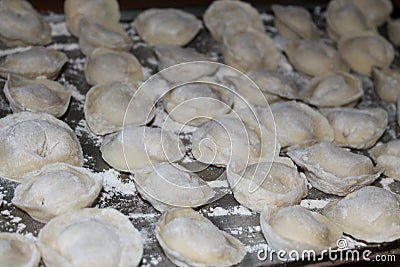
387	156
343	18
296	123
40	95
267	183
387	84
249	49
18	251
366	50
229	140
371	214
167	26
297	229
272	87
189	239
137	147
29	141
196	103
377	11
167	186
97	32
110	106
294	22
76	9
356	128
313	57
91	237
393	30
32	63
105	65
231	16
334	170
333	89
21	25
56	189
169	55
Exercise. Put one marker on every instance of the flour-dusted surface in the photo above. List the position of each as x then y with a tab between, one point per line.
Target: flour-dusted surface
119	191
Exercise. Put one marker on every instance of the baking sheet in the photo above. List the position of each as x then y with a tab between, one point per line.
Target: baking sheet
119	191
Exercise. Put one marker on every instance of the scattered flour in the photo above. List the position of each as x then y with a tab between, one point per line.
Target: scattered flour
236	210
83	129
314	203
59	29
75	92
111	182
385	182
64	47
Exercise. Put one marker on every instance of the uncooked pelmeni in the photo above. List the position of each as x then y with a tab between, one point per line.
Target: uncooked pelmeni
91	237
104	65
168	186
96	32
17	250
231	16
74	10
334	170
30	141
377	11
55	189
167	26
393	30
136	147
370	214
111	106
366	50
387	156
295	228
314	58
294	22
39	95
387	83
190	239
22	25
32	63
275	184
356	128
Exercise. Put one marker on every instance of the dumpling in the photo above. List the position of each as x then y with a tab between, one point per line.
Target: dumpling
196	103
110	106
17	250
343	18
32	63
296	123
333	89
295	228
76	9
377	11
91	237
231	16
366	50
167	186
56	189
356	128
189	239
272	87
167	26
249	49
371	214
97	32
169	55
294	22
21	25
387	84
229	140
314	58
334	170
136	147
105	65
393	30
40	95
387	156
273	184
29	141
